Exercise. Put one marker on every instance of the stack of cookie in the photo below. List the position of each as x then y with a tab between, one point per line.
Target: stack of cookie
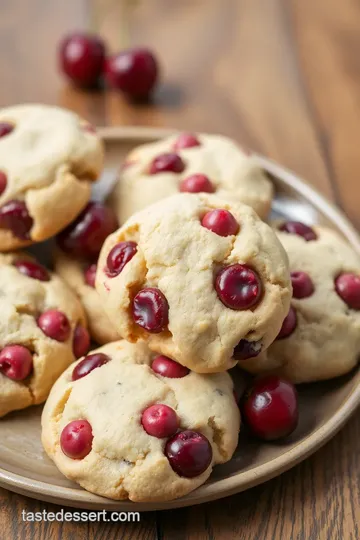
191	284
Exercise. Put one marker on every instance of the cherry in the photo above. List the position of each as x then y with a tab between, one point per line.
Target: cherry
133	71
302	284
270	408
238	287
81	341
150	310
32	269
3	182
296	227
220	222
85	236
119	256
167	163
164	366
88	364
5	128
189	453
160	421
81	58
247	349
90	274
16	362
76	439
186	140
197	183
289	324
55	325
15	216
347	286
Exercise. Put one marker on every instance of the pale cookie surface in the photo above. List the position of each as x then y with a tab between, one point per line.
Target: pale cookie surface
175	254
323	339
23	300
73	272
232	173
124	460
48	159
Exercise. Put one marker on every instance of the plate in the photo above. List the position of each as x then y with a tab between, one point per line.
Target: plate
324	407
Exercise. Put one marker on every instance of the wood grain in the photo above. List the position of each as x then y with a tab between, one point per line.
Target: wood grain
281	76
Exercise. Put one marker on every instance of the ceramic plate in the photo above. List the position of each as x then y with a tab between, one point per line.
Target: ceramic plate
324	407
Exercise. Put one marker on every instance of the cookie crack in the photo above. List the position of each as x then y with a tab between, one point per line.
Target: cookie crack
217	436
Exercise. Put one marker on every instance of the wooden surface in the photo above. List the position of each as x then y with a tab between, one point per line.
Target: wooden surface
280	76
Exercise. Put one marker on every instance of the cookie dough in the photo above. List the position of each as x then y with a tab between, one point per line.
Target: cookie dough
199	162
200	279
48	159
41	319
80	276
320	337
123	447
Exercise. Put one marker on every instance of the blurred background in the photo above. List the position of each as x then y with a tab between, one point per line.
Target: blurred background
281	76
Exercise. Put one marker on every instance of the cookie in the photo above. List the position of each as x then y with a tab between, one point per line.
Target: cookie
320	337
127	423
190	163
80	276
48	159
42	330
200	279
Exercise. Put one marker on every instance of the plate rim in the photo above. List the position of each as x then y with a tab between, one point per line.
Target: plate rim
79	498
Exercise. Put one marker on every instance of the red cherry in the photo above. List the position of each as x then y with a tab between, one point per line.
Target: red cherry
90	274
167	163
238	287
186	140
15	216
197	183
160	421
289	324
32	269
76	439
296	227
88	364
16	362
189	453
81	341
247	349
3	182
302	284
85	236
81	58
119	256
150	310
55	325
270	408
5	128
133	71
164	366
347	286
220	222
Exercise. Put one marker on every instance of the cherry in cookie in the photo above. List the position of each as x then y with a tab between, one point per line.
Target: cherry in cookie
199	277
162	365
16	362
76	439
55	325
159	442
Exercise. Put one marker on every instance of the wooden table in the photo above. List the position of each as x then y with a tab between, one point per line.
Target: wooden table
282	76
